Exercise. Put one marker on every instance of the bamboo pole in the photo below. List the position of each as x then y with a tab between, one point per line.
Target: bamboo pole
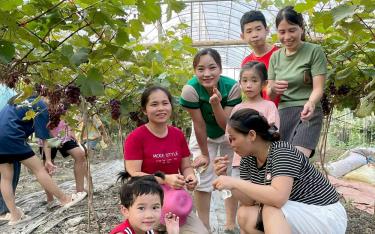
88	154
323	143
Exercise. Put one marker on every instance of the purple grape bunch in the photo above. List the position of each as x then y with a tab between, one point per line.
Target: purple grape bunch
72	93
326	104
115	109
55	112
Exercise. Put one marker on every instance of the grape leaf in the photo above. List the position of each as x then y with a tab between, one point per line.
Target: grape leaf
7	51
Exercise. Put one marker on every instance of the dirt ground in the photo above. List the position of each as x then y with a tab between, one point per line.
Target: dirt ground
75	219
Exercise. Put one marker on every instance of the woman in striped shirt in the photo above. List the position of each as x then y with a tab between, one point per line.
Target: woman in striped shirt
279	190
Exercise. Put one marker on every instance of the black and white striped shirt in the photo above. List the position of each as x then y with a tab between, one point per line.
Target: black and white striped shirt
309	185
128	230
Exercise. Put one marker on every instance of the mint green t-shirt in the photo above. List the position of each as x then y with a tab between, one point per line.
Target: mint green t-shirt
195	96
298	69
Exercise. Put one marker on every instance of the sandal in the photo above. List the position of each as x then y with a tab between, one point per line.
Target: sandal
23	218
76	197
6	217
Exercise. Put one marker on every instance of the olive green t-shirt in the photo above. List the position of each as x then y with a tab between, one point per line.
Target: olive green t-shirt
299	69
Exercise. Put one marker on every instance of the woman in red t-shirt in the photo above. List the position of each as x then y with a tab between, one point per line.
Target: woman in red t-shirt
157	147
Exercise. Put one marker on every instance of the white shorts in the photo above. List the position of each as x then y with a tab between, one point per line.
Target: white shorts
313	219
216	147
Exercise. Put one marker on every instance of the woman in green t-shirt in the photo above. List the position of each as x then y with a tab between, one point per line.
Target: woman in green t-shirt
297	72
209	98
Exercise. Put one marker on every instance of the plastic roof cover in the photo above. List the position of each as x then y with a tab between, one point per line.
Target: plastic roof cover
212	21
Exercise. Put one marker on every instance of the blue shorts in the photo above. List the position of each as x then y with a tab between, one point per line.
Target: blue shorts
10	158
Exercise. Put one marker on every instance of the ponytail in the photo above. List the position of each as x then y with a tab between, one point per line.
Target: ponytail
247	119
123	176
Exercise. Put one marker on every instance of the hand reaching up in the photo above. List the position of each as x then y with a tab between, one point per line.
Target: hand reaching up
172	223
216	96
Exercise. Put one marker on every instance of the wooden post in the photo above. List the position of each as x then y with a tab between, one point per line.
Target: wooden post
88	154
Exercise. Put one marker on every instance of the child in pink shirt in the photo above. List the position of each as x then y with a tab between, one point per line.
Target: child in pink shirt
68	146
253	77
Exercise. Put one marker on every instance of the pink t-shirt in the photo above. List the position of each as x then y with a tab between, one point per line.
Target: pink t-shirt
158	154
266	108
62	131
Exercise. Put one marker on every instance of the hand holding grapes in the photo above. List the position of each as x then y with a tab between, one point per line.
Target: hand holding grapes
50	167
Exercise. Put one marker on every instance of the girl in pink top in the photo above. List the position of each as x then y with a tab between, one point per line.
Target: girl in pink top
68	146
253	78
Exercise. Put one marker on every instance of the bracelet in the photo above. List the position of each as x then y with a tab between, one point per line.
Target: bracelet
160	174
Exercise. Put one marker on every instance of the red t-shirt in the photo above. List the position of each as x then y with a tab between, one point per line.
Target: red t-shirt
266	60
126	228
158	154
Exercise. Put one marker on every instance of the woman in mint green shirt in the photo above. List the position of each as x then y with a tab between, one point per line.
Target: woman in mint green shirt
297	72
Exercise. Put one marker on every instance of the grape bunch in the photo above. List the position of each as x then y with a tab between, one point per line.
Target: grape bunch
12	79
54	96
55	112
326	104
343	90
72	94
332	88
41	90
115	109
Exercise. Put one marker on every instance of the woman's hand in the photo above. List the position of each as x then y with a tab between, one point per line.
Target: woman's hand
200	161
224	182
278	87
308	111
50	167
216	97
191	181
221	165
175	181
